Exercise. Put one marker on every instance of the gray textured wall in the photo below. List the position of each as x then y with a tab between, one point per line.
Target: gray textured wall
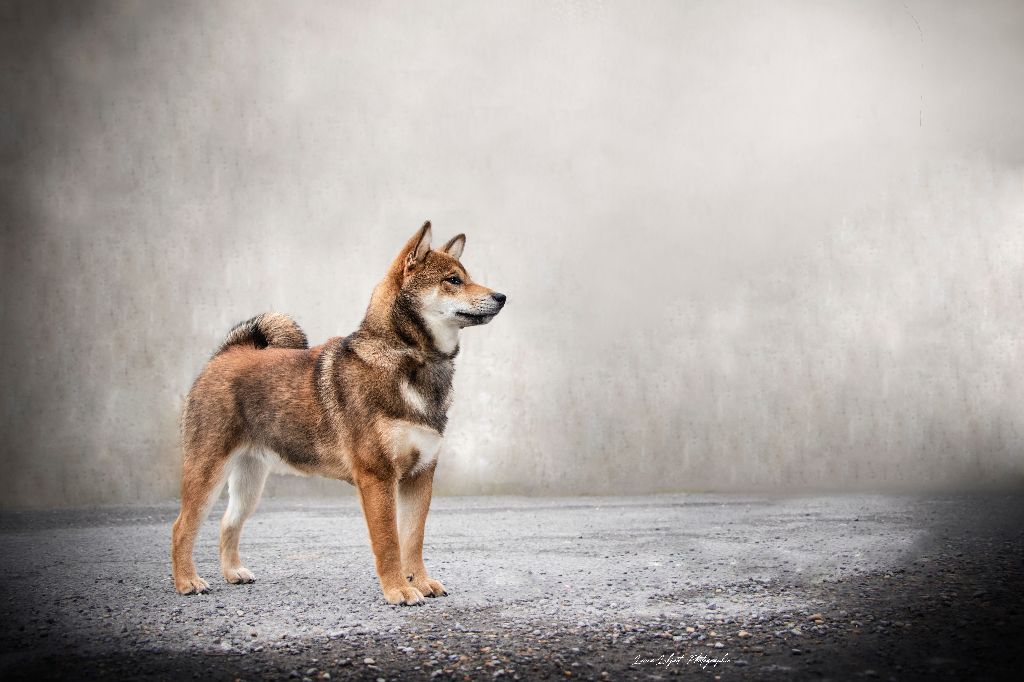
746	245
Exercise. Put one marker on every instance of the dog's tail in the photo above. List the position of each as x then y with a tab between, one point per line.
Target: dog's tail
274	330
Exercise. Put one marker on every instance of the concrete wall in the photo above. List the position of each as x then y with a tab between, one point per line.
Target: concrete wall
746	245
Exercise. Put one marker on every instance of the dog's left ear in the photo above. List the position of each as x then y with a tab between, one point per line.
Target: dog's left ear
455	245
419	246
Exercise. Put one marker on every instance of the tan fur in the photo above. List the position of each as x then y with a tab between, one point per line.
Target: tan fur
369	408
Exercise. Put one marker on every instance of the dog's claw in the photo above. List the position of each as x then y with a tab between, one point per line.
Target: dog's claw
429	587
239	576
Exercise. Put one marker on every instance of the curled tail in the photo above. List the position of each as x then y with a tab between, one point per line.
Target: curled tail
274	330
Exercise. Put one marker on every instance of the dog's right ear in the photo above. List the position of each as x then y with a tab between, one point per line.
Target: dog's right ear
454	247
418	247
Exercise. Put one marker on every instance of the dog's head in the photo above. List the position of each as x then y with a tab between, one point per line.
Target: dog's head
440	288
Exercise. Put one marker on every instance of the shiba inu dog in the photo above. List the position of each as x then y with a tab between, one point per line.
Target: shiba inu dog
369	408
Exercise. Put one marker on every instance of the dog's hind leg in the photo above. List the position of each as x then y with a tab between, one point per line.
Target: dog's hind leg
245	485
201	481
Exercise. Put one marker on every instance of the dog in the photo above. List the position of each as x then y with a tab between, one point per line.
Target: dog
369	408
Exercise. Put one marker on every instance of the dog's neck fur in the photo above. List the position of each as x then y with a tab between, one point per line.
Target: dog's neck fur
393	322
395	338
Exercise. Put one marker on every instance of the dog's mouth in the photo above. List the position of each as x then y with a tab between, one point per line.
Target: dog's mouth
475	318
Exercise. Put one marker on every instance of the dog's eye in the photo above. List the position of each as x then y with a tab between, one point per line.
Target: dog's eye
454	279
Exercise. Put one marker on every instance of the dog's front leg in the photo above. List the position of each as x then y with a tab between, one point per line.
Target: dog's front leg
413	505
377	495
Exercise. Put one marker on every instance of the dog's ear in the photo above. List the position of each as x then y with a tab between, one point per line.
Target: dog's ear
419	246
455	246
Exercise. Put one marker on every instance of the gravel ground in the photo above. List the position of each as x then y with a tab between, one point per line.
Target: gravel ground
703	586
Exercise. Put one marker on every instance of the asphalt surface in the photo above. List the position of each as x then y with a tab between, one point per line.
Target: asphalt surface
682	586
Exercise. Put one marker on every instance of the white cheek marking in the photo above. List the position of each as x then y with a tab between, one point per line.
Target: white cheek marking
405	437
412	397
439	316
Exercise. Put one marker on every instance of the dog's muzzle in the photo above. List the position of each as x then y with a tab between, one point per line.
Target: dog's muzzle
484	316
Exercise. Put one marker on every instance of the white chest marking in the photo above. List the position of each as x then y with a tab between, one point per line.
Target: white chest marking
408	439
413	398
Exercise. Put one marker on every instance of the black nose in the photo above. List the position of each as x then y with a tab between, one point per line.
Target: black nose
500	298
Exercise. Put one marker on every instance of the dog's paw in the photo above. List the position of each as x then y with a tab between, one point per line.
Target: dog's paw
407	595
428	586
238	575
192	584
